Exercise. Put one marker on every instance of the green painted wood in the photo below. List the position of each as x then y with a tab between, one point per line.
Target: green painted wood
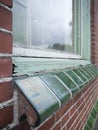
77	26
33	66
55	85
85	29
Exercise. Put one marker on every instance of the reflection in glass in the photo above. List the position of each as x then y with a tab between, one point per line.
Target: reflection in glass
19	23
51	23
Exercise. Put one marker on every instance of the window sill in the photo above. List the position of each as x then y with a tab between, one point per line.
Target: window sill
25	66
48	92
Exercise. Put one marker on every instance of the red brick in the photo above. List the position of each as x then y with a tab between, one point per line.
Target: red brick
48	124
65	118
25	108
6	116
65	128
72	119
22	126
64	109
6	91
57	127
72	110
5	67
5	43
7	2
5	19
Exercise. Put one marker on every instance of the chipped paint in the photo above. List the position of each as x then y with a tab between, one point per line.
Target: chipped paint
35	66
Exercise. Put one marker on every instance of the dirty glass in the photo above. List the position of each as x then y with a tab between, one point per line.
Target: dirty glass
51	24
19	23
44	24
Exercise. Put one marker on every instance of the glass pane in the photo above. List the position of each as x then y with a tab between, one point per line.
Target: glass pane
51	24
44	24
19	23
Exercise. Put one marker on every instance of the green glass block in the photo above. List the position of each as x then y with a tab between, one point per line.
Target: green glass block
93	114
43	101
94	69
96	108
74	76
90	124
88	71
68	82
91	119
82	70
87	128
80	75
57	87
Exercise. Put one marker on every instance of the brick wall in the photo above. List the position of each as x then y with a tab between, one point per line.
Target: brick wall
6	88
94	32
73	115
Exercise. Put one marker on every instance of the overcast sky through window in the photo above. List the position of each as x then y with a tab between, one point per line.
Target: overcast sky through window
51	22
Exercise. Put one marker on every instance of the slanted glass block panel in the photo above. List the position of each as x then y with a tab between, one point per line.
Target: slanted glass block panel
57	87
37	93
68	82
91	71
76	78
81	75
95	70
87	71
86	75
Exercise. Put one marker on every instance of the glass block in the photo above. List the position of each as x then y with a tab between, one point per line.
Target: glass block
68	82
57	87
80	75
87	71
43	101
95	70
76	78
90	70
89	124
84	73
87	127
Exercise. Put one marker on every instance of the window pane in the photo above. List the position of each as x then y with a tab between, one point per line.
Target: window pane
45	24
51	24
19	23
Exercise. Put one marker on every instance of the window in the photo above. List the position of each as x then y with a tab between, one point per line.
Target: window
49	28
